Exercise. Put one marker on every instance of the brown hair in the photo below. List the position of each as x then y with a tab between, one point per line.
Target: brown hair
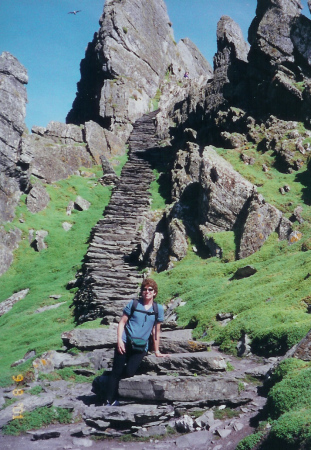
149	282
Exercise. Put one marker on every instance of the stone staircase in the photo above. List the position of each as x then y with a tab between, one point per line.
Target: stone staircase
110	276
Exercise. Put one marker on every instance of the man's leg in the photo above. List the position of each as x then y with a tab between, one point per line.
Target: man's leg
115	376
134	360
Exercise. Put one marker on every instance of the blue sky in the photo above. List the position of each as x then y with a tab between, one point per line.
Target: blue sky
50	43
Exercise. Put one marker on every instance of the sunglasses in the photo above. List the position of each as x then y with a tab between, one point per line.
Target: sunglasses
147	289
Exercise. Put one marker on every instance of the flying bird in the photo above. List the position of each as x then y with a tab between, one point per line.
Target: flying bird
75	12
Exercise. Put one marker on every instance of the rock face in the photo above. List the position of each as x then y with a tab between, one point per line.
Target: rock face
54	153
8	242
279	57
126	62
13	99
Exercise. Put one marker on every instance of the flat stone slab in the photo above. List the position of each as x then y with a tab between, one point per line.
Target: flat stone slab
210	389
185	363
131	414
180	341
91	339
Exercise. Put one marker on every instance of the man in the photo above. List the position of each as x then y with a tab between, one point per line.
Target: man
140	318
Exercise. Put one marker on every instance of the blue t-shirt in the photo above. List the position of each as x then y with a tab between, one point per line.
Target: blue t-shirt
140	325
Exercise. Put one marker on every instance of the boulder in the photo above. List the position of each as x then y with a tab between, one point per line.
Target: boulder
55	360
37	199
8	304
303	349
177	239
224	191
101	142
262	219
36	239
180	341
81	204
279	57
8	243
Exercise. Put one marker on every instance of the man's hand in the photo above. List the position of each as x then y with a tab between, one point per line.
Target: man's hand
161	355
121	347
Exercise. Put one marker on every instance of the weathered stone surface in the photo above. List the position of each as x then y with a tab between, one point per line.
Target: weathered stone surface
52	161
177	239
126	62
131	414
225	191
13	99
8	304
101	142
56	360
8	243
180	341
37	199
230	34
81	204
279	56
66	133
91	339
193	61
262	220
303	349
36	239
181	389
185	363
27	403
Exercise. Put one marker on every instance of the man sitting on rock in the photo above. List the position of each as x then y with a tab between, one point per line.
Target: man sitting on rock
140	319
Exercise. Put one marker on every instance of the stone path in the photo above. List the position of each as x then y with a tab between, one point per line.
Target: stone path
110	277
166	393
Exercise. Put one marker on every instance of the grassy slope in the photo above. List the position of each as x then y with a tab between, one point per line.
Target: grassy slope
48	272
270	306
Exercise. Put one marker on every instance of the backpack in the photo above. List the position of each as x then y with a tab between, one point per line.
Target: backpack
155	313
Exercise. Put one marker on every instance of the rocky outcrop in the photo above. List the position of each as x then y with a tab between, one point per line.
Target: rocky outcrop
54	153
8	304
8	243
226	85
210	196
37	199
13	99
126	63
279	58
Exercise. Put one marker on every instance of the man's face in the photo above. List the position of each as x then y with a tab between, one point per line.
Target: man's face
148	293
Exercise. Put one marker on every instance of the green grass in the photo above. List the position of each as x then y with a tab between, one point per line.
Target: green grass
47	272
269	305
37	419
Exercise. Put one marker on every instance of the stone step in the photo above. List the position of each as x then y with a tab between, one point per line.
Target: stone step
205	389
199	363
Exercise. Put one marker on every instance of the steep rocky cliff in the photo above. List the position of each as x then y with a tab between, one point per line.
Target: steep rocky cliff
126	63
13	99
